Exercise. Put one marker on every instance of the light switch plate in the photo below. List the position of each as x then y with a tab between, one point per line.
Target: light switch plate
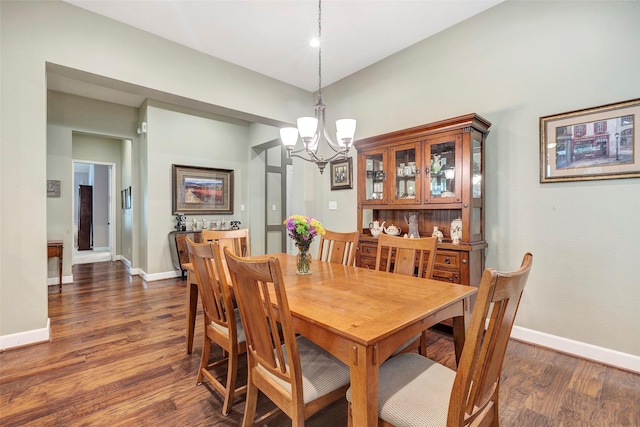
333	206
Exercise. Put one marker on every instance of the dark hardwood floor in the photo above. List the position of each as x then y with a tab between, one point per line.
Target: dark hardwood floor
117	357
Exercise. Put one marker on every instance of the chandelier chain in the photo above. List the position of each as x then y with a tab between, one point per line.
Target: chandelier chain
315	128
320	48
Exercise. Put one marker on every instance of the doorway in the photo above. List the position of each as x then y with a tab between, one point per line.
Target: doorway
277	181
93	212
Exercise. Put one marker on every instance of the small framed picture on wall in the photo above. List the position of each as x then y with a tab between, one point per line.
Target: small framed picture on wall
341	174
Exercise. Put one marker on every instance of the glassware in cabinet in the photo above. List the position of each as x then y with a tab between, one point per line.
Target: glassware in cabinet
375	177
443	165
405	181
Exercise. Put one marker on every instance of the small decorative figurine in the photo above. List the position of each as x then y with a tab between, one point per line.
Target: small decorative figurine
456	231
235	225
437	233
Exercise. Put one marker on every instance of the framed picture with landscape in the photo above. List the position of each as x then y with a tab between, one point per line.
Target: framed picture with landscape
596	143
199	190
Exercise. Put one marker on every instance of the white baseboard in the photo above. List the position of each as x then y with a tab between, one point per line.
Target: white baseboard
603	355
24	338
160	276
127	263
54	280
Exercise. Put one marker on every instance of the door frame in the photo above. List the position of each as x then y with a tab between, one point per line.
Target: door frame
111	208
285	170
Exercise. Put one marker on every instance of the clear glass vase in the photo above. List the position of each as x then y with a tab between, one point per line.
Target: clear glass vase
303	259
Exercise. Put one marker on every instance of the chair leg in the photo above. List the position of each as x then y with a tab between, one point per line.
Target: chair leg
349	416
251	403
232	373
496	417
204	360
297	417
192	308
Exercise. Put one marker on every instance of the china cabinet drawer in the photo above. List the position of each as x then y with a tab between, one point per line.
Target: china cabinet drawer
447	260
446	276
370	263
368	250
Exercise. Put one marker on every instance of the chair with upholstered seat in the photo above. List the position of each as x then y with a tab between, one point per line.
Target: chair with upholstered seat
298	376
411	257
416	391
238	240
338	247
222	323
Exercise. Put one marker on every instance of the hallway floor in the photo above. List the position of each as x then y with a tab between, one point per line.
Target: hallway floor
94	255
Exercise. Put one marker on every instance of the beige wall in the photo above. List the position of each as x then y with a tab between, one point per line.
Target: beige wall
36	32
513	64
183	139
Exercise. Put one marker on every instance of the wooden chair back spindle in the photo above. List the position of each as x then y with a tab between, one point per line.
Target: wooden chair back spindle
339	248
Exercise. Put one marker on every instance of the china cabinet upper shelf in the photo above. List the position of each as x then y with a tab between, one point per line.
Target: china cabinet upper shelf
425	166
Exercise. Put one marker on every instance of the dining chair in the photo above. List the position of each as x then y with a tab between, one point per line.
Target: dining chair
338	247
222	323
298	376
403	253
236	239
416	391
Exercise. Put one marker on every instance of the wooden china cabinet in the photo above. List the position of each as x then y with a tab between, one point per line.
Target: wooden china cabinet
435	170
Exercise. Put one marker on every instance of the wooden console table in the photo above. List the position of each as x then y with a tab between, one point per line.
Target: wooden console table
54	250
178	247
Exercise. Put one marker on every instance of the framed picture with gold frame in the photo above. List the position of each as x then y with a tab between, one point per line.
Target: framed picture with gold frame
199	190
591	144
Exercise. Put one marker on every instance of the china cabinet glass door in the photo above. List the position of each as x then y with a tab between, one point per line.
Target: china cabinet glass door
476	178
375	177
444	166
405	171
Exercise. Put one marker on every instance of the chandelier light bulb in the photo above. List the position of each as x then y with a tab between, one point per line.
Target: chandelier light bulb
307	126
289	136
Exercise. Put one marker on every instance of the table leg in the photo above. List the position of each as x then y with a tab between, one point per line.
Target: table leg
60	273
460	324
364	386
192	308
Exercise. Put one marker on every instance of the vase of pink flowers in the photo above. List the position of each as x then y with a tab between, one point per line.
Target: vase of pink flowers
303	230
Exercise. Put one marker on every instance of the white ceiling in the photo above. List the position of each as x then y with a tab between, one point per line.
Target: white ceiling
272	37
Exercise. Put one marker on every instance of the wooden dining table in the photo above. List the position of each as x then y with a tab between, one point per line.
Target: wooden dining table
362	316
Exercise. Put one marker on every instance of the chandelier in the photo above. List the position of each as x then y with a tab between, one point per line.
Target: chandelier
313	129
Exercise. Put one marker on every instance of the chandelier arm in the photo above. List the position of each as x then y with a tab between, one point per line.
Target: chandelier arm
312	156
338	156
